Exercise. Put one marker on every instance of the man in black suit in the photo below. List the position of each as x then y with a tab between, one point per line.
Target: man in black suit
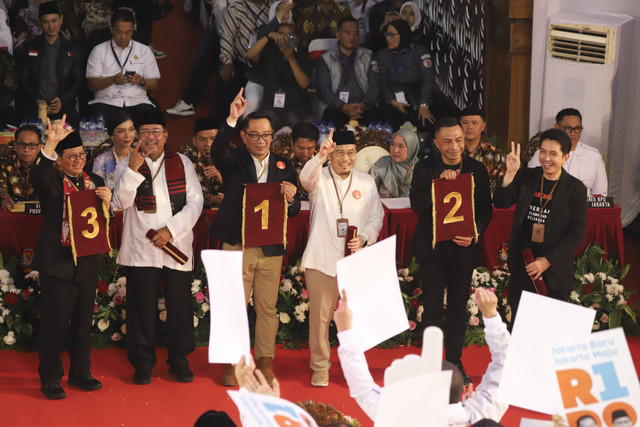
253	162
50	70
550	218
68	290
450	263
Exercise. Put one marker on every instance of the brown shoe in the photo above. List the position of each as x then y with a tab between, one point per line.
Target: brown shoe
266	367
229	377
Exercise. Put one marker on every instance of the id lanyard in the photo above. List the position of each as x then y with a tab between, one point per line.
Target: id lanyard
255	17
542	206
335	186
118	59
401	69
323	26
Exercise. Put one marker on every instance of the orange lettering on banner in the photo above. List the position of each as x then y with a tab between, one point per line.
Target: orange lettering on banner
284	421
575	384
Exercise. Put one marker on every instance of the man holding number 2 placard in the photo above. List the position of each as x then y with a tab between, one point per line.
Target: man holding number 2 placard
450	263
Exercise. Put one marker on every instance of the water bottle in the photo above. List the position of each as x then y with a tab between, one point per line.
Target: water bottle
323	133
40	126
388	128
92	130
23	122
83	130
32	122
100	136
330	126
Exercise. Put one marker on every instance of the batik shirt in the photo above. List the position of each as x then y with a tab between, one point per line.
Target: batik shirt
210	186
493	159
15	181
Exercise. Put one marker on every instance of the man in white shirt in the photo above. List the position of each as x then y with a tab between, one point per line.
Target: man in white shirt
483	404
159	191
121	71
585	162
340	196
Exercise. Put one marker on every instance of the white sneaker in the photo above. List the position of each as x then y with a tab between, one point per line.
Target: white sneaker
182	109
320	378
157	53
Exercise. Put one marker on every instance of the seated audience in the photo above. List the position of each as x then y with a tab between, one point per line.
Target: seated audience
15	179
483	404
304	139
286	75
346	81
407	78
381	15
50	70
26	24
6	42
198	151
478	147
585	162
410	12
121	71
393	173
8	86
122	132
319	21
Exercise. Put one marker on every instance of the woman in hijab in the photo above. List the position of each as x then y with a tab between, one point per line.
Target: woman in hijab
393	173
407	78
410	12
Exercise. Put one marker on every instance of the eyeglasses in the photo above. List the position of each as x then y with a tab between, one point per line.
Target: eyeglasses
156	133
340	153
30	146
569	129
75	157
390	35
254	137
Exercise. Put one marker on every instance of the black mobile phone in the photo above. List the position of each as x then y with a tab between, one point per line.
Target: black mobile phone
129	73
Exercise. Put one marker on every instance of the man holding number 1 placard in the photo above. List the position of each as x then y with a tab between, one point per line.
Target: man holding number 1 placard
465	210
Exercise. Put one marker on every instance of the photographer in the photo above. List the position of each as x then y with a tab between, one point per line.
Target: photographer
286	76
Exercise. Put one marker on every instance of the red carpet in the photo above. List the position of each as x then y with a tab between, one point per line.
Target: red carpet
166	402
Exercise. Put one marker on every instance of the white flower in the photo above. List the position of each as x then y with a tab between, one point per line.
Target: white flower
4	287
123	315
294	292
287	285
294	270
195	286
404	272
163	316
1	320
113	288
5	311
122	281
408	278
473	309
300	316
4	275
123	329
401	279
284	317
10	338
609	297
596	326
103	325
589	277
505	301
161	304
601	275
419	314
195	321
574	296
621	301
33	274
204	307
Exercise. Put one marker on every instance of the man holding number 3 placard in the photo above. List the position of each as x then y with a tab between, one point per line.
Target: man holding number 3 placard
68	288
254	163
449	263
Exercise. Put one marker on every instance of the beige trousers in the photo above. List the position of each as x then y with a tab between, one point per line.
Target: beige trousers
323	296
262	274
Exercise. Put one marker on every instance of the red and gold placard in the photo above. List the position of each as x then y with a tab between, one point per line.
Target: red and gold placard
88	224
453	208
264	215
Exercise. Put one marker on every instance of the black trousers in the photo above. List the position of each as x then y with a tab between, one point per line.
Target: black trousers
66	306
143	290
206	64
448	270
108	110
227	91
339	118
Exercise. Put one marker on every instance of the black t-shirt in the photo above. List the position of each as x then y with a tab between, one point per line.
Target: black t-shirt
536	214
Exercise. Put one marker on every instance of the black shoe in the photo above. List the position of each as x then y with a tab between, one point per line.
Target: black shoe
53	391
182	372
142	377
85	382
466	379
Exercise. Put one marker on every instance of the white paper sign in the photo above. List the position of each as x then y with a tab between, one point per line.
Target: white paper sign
397	203
528	422
525	381
596	378
401	98
371	281
260	410
229	336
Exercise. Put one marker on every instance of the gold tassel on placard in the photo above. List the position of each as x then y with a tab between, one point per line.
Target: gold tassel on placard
433	213
73	243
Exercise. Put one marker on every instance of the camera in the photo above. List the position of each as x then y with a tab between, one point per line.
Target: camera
291	42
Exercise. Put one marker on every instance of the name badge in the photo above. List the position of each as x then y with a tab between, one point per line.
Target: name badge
344	96
342	225
118	93
537	233
252	39
32	208
401	98
278	99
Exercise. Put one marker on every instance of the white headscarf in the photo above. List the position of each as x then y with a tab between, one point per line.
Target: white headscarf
272	12
416	11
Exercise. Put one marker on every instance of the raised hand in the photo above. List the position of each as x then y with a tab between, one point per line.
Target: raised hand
513	158
56	131
237	107
327	146
487	302
343	315
136	159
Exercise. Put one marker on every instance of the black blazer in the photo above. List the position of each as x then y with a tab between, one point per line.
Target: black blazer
424	173
237	169
50	256
564	229
68	68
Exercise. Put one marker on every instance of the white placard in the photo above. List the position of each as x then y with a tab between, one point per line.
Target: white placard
401	98
525	380
596	378
397	203
260	410
528	422
229	336
371	281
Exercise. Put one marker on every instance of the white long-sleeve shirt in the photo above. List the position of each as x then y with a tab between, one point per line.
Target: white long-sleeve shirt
136	249
361	206
585	163
483	404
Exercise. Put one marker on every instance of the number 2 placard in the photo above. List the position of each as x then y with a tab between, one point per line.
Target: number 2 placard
264	215
453	213
89	224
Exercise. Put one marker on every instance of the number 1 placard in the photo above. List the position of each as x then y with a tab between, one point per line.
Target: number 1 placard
453	210
264	215
88	223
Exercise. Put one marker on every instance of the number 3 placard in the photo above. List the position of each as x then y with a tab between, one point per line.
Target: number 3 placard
264	215
88	223
453	213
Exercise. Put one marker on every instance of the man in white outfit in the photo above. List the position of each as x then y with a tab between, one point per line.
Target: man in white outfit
585	162
340	196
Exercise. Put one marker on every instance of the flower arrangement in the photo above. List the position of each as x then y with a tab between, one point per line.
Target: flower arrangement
293	309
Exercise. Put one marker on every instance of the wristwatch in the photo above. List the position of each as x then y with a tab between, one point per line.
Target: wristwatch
424	105
142	83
